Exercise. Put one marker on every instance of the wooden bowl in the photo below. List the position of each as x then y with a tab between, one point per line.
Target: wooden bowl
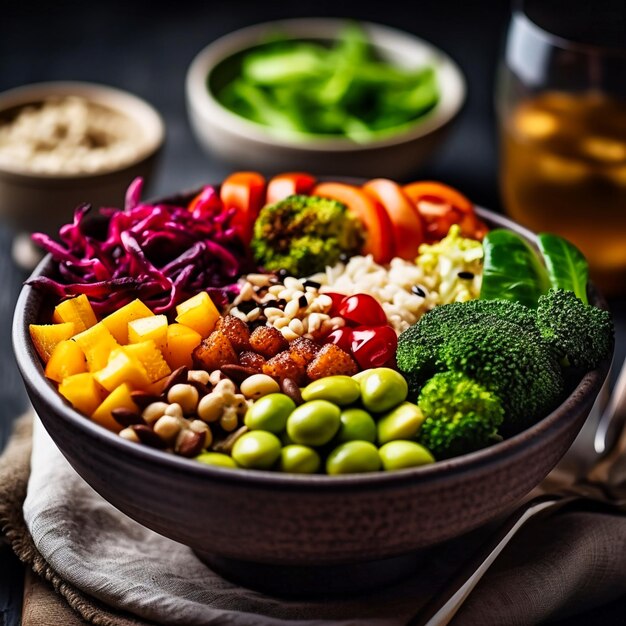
252	524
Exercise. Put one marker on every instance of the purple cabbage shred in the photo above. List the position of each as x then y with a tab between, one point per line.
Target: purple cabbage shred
159	253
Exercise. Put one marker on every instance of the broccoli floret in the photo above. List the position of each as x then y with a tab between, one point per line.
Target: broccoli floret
418	354
495	343
511	362
460	415
580	333
304	234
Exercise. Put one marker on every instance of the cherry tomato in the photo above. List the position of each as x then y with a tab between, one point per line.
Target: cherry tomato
244	192
379	234
342	338
337	299
288	184
362	309
374	346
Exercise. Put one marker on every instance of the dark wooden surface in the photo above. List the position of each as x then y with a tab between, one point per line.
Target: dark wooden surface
145	47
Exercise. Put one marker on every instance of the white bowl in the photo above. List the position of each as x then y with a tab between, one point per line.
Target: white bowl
250	145
33	201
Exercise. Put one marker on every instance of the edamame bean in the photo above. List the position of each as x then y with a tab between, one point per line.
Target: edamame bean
382	389
401	423
270	413
341	390
258	385
353	457
400	454
356	425
297	459
216	458
314	423
256	449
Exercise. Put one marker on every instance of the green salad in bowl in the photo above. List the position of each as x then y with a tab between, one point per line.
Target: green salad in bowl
339	88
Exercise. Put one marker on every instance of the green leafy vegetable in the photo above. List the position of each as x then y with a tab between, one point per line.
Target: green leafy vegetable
512	270
567	267
298	87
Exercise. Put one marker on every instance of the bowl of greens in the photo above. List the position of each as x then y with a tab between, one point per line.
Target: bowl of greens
323	94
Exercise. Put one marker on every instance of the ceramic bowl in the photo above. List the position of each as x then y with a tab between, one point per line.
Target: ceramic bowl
251	145
253	525
31	201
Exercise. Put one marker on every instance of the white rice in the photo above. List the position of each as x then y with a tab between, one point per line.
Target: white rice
399	286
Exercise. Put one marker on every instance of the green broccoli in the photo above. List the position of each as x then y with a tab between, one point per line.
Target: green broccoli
495	343
580	333
418	353
460	415
304	234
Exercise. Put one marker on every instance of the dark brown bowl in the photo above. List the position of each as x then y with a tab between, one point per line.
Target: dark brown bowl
262	517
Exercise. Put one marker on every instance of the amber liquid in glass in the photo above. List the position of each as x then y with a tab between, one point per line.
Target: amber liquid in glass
564	171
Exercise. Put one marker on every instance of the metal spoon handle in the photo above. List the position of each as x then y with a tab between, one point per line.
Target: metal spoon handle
444	605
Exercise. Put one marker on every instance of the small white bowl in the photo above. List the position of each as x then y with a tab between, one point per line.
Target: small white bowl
32	201
250	145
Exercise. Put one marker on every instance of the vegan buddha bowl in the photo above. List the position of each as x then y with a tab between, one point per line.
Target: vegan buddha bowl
310	372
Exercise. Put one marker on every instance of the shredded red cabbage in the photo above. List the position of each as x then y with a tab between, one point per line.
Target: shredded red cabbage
160	253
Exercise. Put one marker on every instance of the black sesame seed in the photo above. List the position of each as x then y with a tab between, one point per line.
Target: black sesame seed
311	283
281	304
465	275
418	291
231	295
270	303
302	301
247	305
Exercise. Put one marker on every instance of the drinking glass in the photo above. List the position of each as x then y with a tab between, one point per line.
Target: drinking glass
561	105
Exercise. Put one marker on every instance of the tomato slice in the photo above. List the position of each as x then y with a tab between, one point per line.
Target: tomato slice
244	192
442	206
438	193
288	184
406	222
379	234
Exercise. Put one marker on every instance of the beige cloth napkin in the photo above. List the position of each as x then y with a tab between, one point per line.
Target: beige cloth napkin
112	571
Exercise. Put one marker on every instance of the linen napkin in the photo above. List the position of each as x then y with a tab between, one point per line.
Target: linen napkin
111	570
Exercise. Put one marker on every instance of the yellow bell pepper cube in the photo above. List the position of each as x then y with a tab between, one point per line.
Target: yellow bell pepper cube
97	344
82	391
119	398
198	313
181	342
76	310
122	368
151	358
46	337
146	328
117	322
66	360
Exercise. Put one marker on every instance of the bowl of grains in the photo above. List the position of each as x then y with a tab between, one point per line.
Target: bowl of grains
64	143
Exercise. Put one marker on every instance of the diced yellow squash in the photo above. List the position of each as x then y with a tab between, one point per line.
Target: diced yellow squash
119	398
82	390
145	328
181	341
66	360
77	310
122	368
198	313
117	322
47	336
151	358
97	344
